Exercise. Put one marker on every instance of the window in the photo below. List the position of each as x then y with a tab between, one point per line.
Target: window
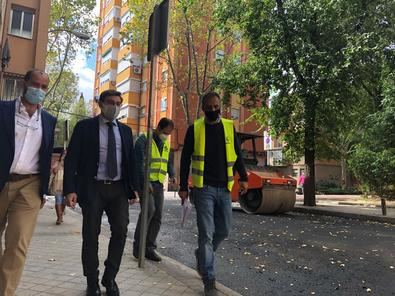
163	104
113	13
129	85
219	55
235	113
165	75
123	113
107	36
144	86
125	19
124	42
105	77
142	112
106	57
124	87
124	63
12	88
22	23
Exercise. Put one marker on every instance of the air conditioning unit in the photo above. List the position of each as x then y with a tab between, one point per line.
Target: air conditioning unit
113	83
118	19
137	69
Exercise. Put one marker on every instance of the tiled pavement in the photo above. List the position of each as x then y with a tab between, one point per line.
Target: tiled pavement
53	265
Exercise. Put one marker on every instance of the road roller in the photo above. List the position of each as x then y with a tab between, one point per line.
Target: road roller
270	190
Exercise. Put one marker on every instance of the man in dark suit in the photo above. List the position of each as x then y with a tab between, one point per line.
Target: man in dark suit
99	173
26	137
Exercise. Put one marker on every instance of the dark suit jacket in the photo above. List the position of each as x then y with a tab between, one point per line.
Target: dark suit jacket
7	144
82	160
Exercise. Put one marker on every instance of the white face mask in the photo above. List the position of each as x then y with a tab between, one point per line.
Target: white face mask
110	112
163	137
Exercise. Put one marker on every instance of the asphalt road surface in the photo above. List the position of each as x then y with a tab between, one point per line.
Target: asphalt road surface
294	254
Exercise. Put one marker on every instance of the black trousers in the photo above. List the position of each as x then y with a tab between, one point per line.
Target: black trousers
111	199
154	221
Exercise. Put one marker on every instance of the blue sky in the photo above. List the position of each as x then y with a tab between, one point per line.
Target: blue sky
84	67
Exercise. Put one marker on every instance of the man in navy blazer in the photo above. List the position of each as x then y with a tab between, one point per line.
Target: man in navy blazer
26	137
100	174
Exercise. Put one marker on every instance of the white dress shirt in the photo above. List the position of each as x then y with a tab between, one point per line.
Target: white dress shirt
103	132
28	136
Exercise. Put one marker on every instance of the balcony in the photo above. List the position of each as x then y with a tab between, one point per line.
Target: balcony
112	43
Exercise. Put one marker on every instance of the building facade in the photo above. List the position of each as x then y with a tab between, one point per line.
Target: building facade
24	30
125	68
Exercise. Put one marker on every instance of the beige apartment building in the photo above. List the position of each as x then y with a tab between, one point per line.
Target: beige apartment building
124	68
24	27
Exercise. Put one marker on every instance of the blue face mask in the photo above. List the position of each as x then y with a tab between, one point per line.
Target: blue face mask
34	95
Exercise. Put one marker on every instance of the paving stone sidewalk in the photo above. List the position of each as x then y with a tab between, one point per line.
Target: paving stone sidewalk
53	265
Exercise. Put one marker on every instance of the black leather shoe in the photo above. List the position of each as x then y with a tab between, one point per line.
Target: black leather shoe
136	253
197	263
152	255
210	289
111	287
93	290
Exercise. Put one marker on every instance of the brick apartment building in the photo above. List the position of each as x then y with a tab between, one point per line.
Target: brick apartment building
125	68
24	27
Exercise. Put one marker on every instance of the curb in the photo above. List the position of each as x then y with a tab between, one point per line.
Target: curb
181	272
391	206
317	211
189	276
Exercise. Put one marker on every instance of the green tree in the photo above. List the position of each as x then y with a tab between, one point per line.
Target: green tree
316	56
373	159
64	95
193	43
71	24
78	111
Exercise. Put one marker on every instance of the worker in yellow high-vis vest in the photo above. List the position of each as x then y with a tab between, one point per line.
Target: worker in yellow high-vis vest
212	145
159	167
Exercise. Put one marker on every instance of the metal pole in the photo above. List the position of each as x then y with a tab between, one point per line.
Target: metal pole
145	197
1	83
66	134
383	206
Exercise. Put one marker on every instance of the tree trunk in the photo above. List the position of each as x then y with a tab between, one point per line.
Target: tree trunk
309	182
344	173
309	151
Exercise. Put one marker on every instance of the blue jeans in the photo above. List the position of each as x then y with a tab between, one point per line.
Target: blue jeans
214	214
59	199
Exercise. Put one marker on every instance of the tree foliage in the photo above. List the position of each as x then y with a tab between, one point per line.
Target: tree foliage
68	20
319	57
79	111
373	160
63	96
193	43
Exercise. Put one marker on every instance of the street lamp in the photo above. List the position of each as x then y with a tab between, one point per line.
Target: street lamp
80	35
70	33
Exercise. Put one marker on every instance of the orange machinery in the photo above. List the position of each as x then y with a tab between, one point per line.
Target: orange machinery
269	189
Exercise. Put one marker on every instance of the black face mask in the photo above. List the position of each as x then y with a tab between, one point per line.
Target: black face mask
212	115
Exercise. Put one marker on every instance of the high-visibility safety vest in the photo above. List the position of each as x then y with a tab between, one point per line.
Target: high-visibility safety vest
199	129
158	167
